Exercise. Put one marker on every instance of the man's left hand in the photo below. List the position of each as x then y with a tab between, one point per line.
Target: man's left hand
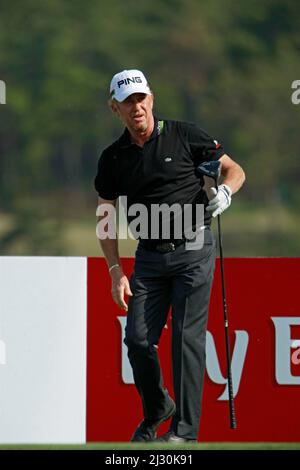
220	201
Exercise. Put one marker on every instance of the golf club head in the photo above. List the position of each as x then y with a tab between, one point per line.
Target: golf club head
210	169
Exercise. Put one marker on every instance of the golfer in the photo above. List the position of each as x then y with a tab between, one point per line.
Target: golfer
153	163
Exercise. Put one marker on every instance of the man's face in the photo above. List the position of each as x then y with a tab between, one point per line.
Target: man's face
135	111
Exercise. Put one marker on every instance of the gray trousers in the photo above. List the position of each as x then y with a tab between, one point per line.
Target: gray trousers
181	279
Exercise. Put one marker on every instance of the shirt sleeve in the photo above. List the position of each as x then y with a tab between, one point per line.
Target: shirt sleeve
106	178
202	146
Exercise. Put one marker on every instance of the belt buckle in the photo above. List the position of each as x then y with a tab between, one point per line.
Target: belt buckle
165	247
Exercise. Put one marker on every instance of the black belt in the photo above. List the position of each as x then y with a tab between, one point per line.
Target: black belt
165	247
161	247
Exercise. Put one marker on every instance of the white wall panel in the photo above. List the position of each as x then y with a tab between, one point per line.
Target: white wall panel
42	349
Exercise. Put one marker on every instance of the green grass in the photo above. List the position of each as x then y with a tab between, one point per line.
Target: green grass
134	446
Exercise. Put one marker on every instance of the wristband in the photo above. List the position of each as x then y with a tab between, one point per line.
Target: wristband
113	266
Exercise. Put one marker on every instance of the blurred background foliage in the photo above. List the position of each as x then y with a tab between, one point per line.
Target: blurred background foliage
225	65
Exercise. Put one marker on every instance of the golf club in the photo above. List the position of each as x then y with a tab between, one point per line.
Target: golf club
213	170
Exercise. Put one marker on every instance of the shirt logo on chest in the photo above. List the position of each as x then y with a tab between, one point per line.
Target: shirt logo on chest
168	159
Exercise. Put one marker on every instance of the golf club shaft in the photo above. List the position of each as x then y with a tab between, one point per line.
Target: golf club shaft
229	374
228	358
212	170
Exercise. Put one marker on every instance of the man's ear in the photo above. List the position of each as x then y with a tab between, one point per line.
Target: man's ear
152	101
114	107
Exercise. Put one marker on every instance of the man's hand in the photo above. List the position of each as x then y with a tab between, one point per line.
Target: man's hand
120	287
220	201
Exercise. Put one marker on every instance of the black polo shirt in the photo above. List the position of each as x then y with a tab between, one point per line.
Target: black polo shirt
162	171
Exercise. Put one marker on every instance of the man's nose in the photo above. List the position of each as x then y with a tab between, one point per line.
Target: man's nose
136	104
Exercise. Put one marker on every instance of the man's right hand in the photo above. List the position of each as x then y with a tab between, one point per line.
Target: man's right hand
120	287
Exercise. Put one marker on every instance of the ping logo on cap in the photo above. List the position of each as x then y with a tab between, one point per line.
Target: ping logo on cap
127	81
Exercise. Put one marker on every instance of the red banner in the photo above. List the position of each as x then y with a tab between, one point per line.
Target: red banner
264	325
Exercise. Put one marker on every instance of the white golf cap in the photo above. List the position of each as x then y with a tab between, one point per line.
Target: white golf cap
128	82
